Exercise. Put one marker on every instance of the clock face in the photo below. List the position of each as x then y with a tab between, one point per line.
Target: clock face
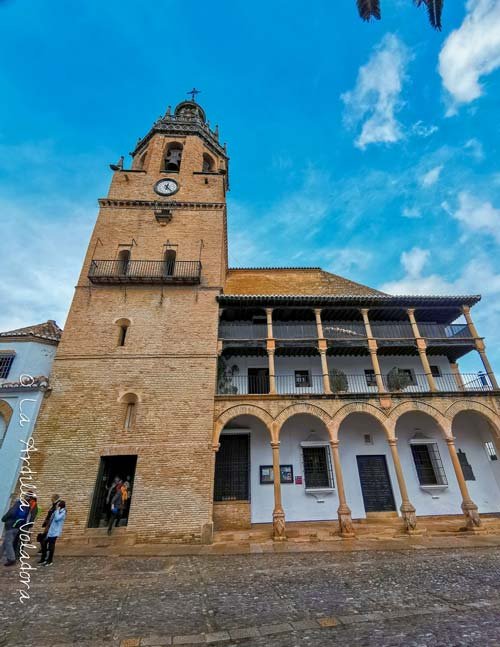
166	187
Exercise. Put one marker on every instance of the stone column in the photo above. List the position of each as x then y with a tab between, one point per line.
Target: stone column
407	509
469	508
422	348
322	351
480	347
343	512
278	512
372	347
456	374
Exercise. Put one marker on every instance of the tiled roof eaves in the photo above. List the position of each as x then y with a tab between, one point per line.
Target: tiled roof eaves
264	269
381	299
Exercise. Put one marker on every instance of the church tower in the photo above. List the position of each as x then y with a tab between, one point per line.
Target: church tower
134	378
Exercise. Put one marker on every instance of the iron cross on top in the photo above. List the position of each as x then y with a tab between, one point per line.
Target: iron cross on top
193	93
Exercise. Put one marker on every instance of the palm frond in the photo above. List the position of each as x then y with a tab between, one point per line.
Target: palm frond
435	9
369	9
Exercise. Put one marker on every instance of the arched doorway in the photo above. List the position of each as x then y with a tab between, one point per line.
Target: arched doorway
478	449
426	463
239	499
369	477
308	487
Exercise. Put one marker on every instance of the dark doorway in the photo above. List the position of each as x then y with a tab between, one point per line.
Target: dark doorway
232	468
111	467
258	380
375	484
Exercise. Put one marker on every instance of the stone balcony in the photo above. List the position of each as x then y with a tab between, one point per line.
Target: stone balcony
116	272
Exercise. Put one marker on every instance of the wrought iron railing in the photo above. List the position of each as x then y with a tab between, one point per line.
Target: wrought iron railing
345	384
344	330
121	271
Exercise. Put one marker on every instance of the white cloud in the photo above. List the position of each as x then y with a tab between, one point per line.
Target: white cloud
414	261
411	212
475	148
432	176
421	130
471	52
477	216
377	94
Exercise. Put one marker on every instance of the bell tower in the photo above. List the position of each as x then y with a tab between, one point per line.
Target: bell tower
133	382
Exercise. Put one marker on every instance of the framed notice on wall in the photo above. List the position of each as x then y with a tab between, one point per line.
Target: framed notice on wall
267	474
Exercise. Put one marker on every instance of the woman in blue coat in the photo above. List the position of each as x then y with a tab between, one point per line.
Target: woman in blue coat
55	529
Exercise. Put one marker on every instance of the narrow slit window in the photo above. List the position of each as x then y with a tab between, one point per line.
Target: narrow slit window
122	335
130	416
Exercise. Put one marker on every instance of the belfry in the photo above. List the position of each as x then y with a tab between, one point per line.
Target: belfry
229	397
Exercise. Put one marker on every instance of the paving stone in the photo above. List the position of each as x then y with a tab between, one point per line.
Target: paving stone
304	625
156	641
327	622
130	642
246	632
267	630
217	636
193	639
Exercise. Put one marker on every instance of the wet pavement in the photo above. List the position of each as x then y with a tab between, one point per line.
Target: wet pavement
411	598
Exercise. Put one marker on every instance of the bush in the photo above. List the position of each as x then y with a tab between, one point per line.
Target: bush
398	380
338	381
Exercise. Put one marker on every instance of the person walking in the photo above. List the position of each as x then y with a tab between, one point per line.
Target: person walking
42	536
54	531
117	503
20	513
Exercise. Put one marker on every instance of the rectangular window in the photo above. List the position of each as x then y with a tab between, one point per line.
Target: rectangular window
5	364
428	463
435	371
411	375
302	378
490	450
317	467
232	468
370	377
466	466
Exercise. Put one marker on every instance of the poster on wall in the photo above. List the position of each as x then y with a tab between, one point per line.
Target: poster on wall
267	474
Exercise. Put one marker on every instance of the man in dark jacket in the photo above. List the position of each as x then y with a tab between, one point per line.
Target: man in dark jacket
42	536
13	519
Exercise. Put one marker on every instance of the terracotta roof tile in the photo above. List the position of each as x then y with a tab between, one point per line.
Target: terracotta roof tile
48	330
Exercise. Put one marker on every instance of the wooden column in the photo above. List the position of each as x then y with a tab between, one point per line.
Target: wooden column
270	346
372	347
480	347
456	374
319	323
278	512
422	350
469	508
343	512
272	374
407	509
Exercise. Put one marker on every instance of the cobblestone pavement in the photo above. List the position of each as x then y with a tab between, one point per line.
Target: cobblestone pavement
410	598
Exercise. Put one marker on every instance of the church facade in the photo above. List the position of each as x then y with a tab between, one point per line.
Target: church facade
233	397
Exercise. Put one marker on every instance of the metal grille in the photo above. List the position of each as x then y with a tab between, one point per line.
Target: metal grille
5	364
370	377
490	450
429	465
232	467
317	467
466	466
302	378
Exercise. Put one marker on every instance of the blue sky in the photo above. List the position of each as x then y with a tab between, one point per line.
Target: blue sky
371	150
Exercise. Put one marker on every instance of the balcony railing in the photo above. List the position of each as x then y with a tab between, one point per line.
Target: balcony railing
118	271
347	331
349	384
242	331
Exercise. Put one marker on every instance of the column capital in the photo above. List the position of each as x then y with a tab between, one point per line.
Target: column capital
318	311
364	311
269	310
410	310
465	309
271	351
216	447
275	444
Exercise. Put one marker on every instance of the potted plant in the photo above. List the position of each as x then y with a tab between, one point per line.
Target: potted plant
338	381
398	380
224	378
